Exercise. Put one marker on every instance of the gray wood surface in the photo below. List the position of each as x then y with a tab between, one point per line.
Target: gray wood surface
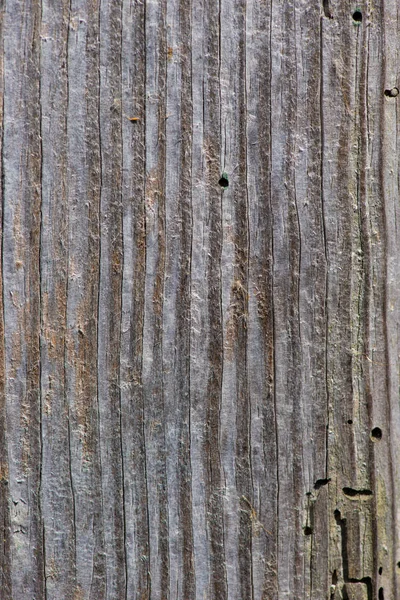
200	300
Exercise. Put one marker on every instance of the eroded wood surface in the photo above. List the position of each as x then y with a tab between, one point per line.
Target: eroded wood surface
200	299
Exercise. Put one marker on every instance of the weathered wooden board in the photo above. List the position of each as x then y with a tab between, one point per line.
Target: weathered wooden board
200	300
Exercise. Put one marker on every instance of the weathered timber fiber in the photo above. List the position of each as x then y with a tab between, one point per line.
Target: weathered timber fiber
199	300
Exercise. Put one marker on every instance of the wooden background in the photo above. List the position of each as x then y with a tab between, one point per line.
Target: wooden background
199	384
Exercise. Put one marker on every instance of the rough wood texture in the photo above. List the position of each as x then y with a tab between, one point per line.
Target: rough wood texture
200	300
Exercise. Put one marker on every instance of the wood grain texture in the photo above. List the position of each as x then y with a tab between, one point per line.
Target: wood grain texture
200	300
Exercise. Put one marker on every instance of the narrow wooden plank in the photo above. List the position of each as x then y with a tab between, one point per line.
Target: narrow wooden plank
299	274
387	419
375	363
110	301
56	493
313	262
313	398
342	213
21	292
337	75
83	189
286	284
378	546
260	349
152	372
205	523
206	335
176	306
350	171
5	529
133	300
235	408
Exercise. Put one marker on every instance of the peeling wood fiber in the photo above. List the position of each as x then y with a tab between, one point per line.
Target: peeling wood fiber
199	300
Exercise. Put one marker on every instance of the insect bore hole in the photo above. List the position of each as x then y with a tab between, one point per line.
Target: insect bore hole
350	422
376	433
224	182
307	530
357	16
380	570
327	10
392	93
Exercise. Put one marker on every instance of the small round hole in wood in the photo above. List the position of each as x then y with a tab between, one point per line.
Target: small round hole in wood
357	16
392	93
224	182
376	433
